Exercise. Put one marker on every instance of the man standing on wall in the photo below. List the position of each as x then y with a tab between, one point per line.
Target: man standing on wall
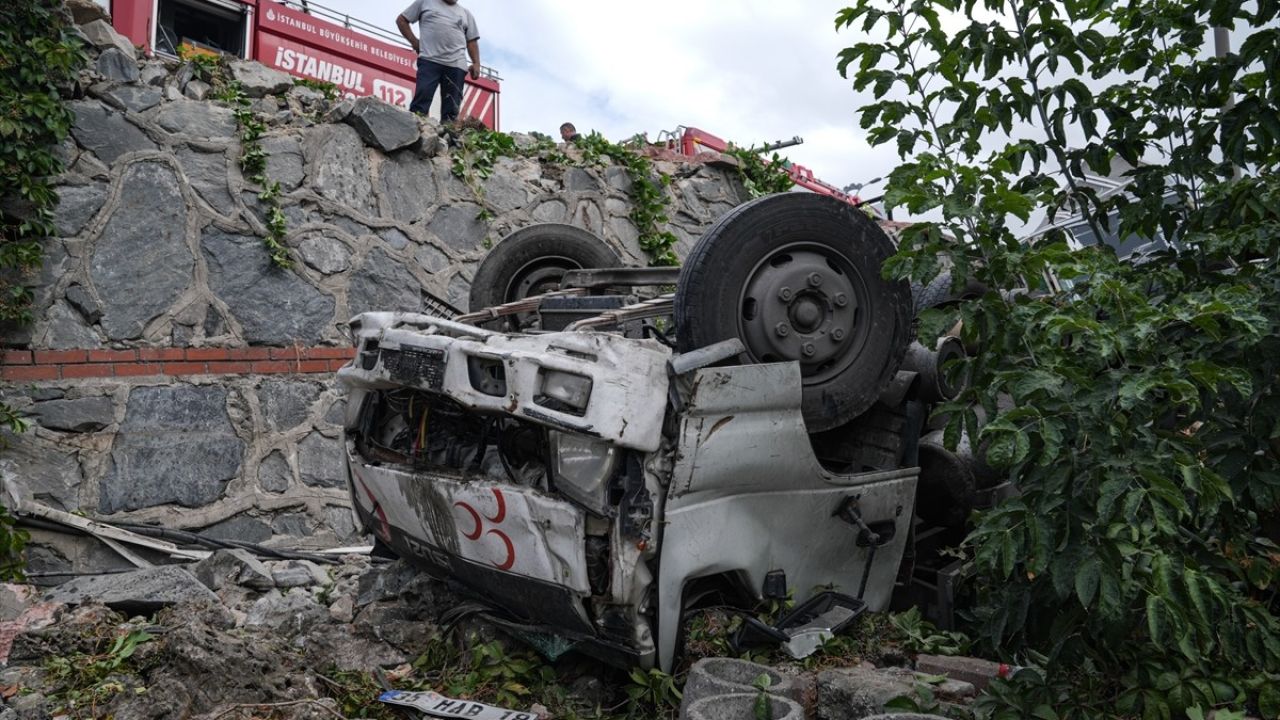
449	40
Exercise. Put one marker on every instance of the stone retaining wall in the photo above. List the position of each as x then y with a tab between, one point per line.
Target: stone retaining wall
174	376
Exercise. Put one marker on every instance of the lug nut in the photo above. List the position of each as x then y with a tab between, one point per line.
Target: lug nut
837	335
810	350
785	294
783	330
841	300
815	280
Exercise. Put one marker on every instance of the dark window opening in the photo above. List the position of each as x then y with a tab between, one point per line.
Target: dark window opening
203	25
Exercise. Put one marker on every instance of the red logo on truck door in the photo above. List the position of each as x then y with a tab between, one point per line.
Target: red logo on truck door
478	528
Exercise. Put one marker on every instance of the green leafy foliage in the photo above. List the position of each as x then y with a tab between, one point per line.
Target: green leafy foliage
491	671
1134	404
762	709
87	680
923	699
40	55
12	541
761	177
479	150
653	690
253	157
649	199
324	87
918	635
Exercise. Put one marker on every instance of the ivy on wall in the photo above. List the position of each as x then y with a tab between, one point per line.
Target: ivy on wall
479	149
253	157
39	55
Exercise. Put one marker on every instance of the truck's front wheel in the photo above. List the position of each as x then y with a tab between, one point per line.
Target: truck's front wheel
796	277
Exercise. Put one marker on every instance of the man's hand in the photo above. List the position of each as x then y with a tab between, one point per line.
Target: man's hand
473	52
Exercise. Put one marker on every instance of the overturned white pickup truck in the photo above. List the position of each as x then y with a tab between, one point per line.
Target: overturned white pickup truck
596	480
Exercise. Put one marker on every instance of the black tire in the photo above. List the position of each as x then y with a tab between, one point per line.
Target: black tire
846	325
947	488
939	293
531	261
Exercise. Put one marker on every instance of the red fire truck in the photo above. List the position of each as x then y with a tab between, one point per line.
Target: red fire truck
299	37
692	140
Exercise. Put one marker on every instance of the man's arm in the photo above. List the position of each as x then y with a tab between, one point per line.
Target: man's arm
473	49
406	30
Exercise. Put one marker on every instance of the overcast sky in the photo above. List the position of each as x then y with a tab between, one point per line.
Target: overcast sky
746	70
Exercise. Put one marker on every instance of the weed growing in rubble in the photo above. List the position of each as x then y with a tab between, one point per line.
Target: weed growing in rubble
762	710
357	695
324	87
86	681
12	540
923	699
653	690
491	672
918	635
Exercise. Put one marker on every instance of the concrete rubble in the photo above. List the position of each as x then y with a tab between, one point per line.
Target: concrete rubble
234	632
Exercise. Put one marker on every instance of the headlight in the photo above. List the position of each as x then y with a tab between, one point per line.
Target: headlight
565	392
583	468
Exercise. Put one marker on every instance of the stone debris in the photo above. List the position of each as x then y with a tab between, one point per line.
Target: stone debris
854	693
202	654
258	80
383	126
87	11
118	66
298	573
741	705
978	673
726	676
236	567
142	591
100	33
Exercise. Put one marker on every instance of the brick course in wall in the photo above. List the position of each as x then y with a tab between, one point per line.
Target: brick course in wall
28	366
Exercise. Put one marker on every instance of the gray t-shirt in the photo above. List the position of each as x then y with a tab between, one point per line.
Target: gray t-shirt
445	31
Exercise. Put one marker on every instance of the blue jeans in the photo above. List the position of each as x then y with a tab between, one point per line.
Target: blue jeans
450	80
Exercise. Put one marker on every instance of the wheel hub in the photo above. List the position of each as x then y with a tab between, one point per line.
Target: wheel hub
803	303
807	313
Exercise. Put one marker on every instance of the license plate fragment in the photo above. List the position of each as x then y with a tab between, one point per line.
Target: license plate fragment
437	705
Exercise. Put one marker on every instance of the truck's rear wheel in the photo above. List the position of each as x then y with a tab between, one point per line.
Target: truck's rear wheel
532	261
796	276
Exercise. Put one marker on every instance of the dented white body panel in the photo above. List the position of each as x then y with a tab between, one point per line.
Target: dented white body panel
513	529
731	487
747	495
628	377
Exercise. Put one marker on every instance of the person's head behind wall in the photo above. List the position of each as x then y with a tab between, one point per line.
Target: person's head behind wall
568	132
